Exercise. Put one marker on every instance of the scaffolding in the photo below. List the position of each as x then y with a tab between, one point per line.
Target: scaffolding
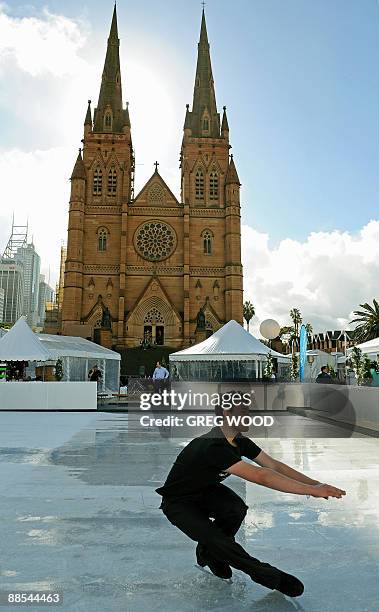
17	240
12	275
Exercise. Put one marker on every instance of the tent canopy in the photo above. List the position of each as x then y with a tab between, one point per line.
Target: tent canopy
74	346
21	344
371	348
231	342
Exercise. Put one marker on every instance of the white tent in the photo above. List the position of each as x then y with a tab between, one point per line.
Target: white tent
74	346
231	353
370	348
79	355
230	342
21	344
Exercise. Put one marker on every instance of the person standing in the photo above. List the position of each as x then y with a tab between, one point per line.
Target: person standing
95	375
160	376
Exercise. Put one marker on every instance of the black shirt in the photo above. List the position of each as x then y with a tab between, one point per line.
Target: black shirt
324	377
95	375
203	462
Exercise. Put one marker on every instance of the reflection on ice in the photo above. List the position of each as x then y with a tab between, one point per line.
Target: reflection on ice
84	519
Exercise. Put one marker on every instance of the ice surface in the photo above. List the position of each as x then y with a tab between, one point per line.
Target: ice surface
79	513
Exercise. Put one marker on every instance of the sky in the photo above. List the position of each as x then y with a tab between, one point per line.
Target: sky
300	80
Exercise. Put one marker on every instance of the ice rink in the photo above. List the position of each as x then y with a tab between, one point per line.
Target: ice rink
79	514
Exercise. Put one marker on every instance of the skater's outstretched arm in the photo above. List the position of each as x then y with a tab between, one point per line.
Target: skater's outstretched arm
274	480
264	460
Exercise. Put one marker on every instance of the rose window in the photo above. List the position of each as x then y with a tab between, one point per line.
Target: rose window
155	240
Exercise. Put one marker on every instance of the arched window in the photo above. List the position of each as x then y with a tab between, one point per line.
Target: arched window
97	182
199	185
205	124
213	185
112	182
108	121
102	235
207	242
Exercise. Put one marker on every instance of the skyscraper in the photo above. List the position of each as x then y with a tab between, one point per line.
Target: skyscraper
12	282
45	294
31	262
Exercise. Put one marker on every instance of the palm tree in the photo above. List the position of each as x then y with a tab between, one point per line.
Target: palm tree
368	320
287	333
296	317
248	312
309	328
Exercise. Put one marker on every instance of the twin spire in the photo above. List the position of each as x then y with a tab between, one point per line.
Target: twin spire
203	120
109	116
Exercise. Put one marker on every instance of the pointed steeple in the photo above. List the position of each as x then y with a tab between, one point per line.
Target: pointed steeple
88	119
114	31
126	115
79	171
187	121
224	124
204	118
231	174
109	114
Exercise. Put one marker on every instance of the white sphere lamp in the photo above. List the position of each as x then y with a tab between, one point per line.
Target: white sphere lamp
269	329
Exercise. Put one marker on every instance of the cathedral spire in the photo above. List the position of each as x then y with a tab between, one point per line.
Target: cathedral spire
205	120
231	174
109	115
79	171
88	119
225	124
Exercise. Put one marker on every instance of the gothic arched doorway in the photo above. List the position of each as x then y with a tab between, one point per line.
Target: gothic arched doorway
153	327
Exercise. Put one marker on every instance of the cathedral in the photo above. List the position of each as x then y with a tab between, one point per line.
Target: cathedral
149	269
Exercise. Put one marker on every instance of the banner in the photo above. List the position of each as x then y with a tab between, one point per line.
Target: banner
303	352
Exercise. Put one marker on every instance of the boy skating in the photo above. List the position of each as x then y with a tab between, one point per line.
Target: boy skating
193	494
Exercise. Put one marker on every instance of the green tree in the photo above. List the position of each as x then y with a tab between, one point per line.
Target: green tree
295	367
361	366
309	328
356	360
248	312
59	369
287	333
269	366
297	319
368	322
366	369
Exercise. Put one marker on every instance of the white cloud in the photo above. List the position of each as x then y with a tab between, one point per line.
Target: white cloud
327	276
36	187
47	45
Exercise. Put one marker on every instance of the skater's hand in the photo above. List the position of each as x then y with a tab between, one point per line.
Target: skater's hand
326	491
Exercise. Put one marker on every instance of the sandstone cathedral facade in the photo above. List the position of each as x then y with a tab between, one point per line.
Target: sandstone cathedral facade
149	267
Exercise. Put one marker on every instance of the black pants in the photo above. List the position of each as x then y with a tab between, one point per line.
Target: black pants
160	384
192	516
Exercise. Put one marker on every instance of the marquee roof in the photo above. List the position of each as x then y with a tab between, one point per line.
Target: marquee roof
74	346
371	348
21	344
229	343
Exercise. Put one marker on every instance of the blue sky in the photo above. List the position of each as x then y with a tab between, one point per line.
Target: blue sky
301	83
300	80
